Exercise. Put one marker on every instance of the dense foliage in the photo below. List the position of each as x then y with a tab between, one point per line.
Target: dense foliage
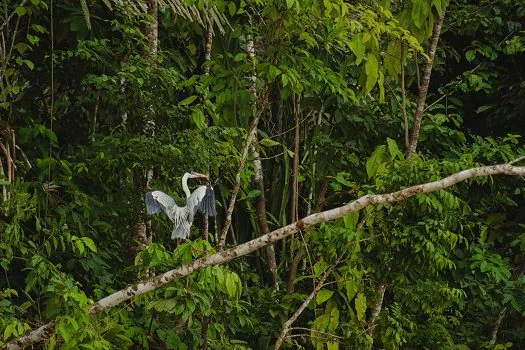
92	99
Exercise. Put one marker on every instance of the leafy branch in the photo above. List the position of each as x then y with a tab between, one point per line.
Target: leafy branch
222	257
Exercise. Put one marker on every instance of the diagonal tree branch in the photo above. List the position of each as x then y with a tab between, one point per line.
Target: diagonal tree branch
243	249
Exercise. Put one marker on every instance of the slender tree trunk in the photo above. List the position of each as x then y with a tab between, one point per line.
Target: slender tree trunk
46	330
262	219
205	327
424	86
205	227
208	43
403	98
152	30
293	270
376	309
497	326
142	231
295	169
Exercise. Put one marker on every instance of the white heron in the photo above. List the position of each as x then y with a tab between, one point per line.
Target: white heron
202	200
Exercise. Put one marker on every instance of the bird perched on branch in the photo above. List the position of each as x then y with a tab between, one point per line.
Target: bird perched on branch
202	200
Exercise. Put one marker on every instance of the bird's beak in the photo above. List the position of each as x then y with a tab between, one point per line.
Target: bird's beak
204	176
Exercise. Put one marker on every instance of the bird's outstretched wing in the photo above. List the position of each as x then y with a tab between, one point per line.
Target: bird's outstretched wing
202	200
158	201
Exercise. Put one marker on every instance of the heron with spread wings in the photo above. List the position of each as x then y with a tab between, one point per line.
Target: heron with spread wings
201	200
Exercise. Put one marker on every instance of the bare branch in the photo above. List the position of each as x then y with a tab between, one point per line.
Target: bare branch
274	236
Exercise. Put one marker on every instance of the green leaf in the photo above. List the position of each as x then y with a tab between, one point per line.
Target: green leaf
393	149
80	246
381	83
392	58
310	41
483	109
358	48
438	6
20	10
187	100
284	79
90	244
29	64
372	71
351	220
239	57
198	118
269	142
21	47
251	194
360	306
470	55
232	8
9	330
323	295
289	3
230	285
273	72
351	289
331	345
375	160
420	10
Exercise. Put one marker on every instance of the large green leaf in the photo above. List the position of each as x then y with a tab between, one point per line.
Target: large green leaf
323	295
375	160
358	48
372	71
420	11
392	58
360	306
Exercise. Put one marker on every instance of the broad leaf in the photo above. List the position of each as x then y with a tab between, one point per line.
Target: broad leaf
323	295
358	48
375	160
372	71
420	10
360	306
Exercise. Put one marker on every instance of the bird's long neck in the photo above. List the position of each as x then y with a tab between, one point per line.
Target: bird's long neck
185	185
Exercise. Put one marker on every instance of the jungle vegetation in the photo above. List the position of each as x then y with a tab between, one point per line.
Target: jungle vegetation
314	119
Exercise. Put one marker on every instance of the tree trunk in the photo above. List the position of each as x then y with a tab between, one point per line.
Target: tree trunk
262	219
142	230
424	86
376	309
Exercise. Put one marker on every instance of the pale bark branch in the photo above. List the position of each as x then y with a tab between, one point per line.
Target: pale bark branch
423	90
274	236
